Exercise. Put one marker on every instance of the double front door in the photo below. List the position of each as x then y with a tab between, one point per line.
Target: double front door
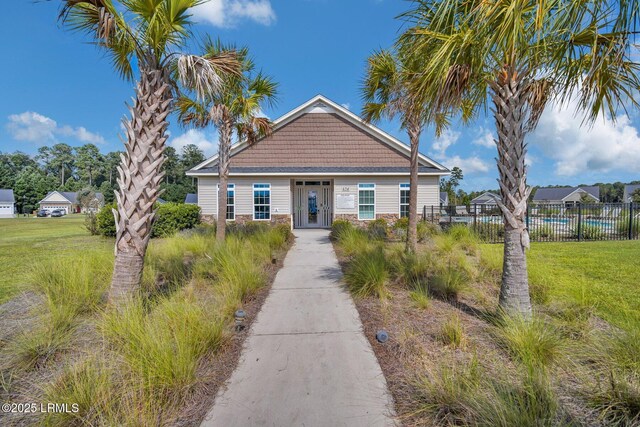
312	204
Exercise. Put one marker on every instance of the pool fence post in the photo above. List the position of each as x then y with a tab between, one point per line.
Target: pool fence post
579	221
630	221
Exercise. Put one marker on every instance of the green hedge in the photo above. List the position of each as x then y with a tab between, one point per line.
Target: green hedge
170	218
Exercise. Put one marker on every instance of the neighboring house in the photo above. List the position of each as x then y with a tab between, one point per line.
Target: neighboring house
484	202
68	201
7	203
321	163
629	189
566	195
444	199
191	199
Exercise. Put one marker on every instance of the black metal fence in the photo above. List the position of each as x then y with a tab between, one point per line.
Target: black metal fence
547	222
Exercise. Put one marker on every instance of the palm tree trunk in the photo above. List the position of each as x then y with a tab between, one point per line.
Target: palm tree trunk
412	231
224	131
509	97
139	179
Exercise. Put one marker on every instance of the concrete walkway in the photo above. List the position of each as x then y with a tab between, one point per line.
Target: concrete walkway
306	361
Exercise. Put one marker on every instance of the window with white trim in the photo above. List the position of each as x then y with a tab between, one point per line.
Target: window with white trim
366	201
231	201
261	201
404	200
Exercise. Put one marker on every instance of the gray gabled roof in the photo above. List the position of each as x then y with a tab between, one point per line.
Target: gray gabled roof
191	199
72	196
629	189
487	197
444	197
556	194
6	196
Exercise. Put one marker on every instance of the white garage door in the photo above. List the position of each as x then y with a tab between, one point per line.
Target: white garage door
54	207
6	209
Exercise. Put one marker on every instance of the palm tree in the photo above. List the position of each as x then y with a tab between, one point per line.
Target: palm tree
522	55
147	33
235	110
386	93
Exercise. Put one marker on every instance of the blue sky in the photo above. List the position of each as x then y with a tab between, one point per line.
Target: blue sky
58	88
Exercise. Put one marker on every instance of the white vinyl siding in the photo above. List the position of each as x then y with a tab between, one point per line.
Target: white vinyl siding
387	193
280	195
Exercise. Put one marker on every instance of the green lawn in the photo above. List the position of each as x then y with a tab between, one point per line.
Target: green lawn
25	242
603	274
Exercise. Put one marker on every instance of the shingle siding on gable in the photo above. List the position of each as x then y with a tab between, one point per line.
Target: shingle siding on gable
319	140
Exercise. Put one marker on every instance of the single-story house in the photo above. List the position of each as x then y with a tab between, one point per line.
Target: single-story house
629	189
68	201
485	202
566	195
444	199
321	163
7	203
191	199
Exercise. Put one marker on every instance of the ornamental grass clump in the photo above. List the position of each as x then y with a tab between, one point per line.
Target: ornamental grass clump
452	333
367	274
613	380
353	241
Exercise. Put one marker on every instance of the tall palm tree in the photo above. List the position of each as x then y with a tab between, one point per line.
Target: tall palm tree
234	111
143	38
386	92
523	55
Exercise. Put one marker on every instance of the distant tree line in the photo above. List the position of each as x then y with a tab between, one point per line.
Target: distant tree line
64	168
609	192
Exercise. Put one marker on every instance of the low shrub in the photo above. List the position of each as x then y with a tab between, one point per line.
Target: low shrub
173	217
588	232
489	231
338	227
425	229
452	333
378	229
91	223
105	221
542	232
367	273
170	218
622	225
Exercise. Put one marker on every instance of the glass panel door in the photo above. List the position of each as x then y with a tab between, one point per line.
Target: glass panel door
312	207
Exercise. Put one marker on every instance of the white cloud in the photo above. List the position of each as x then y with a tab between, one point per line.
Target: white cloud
469	165
197	138
346	105
444	141
227	13
34	127
577	149
485	138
